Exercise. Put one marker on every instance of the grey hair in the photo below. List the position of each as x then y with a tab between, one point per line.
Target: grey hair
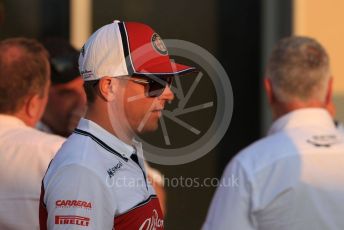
299	69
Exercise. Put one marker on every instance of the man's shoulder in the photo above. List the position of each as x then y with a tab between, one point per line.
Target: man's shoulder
287	146
266	145
267	151
45	140
82	151
47	137
76	149
32	138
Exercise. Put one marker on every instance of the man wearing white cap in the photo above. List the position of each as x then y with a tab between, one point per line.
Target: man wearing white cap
294	177
97	179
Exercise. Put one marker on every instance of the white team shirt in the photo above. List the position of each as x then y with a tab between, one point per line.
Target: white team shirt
93	183
292	179
24	157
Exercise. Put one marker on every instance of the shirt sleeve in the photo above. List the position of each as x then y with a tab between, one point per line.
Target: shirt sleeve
77	198
230	207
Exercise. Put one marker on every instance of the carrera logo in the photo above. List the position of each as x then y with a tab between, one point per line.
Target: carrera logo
76	220
73	204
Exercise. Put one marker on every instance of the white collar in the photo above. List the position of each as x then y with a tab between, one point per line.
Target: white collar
301	118
9	120
109	139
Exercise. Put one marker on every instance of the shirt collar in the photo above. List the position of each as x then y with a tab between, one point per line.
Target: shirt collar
303	117
9	120
111	140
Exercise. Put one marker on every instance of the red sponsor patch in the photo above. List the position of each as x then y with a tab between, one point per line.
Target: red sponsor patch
76	220
73	204
153	222
145	216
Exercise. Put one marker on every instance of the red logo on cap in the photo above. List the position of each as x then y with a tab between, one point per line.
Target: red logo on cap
158	44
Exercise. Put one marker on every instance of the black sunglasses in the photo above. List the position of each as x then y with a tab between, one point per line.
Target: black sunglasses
155	86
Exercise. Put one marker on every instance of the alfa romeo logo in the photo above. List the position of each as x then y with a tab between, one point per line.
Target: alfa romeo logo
158	44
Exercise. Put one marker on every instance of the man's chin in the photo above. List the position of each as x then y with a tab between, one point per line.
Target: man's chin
148	128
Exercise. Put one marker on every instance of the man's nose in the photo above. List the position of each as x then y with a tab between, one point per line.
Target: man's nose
167	94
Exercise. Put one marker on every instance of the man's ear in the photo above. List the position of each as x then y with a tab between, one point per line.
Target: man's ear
106	89
269	90
33	109
33	106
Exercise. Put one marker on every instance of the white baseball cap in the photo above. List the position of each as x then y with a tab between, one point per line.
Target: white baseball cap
127	49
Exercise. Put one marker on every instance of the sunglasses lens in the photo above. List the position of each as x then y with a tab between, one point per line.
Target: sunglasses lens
157	88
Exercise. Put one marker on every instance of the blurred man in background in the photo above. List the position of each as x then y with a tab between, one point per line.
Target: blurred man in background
24	151
67	99
293	178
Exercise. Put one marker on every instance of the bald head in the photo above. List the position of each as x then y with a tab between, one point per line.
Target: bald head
24	71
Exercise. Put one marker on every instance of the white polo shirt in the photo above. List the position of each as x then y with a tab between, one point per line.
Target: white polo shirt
292	179
24	157
94	183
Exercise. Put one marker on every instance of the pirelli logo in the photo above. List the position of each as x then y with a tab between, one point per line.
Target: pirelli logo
75	220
